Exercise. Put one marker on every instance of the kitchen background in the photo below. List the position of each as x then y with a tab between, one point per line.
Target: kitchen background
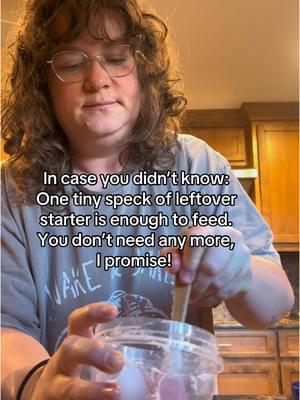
240	66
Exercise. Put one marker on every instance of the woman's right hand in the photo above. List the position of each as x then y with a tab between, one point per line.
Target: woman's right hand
60	379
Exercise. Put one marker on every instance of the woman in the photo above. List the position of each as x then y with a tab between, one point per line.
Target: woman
92	92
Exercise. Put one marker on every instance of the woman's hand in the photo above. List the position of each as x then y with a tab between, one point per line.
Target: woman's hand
216	273
60	377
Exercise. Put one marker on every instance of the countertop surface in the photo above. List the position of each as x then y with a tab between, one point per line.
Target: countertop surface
285	323
222	319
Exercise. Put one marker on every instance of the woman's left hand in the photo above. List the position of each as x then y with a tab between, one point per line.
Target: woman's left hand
216	273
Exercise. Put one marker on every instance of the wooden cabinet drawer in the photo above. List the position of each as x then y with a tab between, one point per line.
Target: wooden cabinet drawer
246	343
288	343
240	378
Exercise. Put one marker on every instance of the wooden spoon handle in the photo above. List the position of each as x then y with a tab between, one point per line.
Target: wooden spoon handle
180	300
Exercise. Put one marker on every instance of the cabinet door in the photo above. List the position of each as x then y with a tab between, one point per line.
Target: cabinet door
288	343
289	361
249	378
278	147
230	142
289	374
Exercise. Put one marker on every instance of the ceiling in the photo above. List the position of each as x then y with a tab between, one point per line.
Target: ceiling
230	51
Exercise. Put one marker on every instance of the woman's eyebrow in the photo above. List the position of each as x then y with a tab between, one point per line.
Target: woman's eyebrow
102	42
66	47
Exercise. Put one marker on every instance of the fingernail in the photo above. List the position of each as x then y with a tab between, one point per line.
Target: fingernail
110	309
115	360
186	276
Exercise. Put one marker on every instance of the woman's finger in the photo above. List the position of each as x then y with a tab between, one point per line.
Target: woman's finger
76	350
74	388
82	320
191	256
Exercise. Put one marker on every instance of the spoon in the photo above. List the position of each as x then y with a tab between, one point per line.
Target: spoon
181	297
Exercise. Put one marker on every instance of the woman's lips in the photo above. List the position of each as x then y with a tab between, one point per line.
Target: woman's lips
100	104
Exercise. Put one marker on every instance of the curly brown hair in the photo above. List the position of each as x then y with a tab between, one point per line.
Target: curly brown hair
31	134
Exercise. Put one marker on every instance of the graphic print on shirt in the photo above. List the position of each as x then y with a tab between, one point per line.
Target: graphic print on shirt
129	305
75	282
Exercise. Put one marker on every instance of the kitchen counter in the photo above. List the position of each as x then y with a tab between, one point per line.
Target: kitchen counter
285	323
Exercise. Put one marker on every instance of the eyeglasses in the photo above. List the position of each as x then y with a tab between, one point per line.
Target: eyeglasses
71	66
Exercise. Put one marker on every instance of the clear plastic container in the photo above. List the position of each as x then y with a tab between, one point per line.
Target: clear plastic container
165	360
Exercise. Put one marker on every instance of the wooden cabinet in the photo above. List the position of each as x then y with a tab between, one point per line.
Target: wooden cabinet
251	378
289	358
275	147
244	343
225	131
288	343
289	374
278	192
258	362
263	136
230	142
249	356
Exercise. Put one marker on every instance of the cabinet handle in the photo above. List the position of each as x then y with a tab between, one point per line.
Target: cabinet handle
224	345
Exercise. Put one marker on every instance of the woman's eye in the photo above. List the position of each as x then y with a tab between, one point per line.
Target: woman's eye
116	60
72	66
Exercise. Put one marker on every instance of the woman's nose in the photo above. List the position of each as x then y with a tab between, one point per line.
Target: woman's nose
96	76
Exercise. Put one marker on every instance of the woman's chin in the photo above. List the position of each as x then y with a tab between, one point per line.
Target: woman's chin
105	132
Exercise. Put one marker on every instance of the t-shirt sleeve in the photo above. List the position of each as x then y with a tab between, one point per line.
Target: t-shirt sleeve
19	300
243	214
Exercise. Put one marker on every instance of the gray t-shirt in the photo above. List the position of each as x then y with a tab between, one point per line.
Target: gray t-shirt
42	285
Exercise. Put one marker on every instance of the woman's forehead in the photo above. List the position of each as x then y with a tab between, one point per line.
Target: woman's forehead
111	26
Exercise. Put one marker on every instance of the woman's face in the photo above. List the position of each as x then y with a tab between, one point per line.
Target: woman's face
99	109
